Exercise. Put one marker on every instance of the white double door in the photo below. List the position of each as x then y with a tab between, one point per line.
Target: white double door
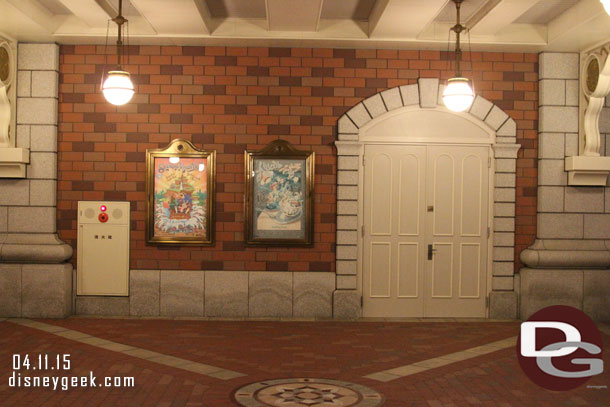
425	245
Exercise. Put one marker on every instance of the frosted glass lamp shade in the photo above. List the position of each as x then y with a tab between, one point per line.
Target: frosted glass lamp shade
458	94
606	4
118	88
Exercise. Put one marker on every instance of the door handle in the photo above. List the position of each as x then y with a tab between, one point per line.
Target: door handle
431	251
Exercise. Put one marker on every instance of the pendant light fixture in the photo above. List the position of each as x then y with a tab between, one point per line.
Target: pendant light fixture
606	4
458	94
117	86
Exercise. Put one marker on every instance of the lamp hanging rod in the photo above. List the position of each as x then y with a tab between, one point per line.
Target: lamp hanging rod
457	29
120	20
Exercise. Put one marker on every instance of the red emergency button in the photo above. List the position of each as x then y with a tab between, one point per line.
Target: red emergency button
103	217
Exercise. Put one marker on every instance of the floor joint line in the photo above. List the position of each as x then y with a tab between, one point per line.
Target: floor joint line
388	375
132	351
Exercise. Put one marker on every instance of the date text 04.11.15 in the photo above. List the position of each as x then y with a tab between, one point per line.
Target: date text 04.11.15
41	362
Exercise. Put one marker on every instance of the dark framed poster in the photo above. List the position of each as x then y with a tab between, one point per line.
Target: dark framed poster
279	195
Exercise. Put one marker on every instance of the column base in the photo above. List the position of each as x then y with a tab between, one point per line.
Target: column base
32	248
346	304
585	289
503	305
36	290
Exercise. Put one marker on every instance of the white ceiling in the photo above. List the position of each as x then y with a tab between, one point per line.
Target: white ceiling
347	9
468	8
503	25
237	9
544	12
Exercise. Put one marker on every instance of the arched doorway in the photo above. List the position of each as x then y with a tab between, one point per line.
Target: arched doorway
406	126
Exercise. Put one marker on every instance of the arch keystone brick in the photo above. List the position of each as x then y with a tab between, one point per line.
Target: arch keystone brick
480	107
346	126
508	129
375	105
410	95
392	98
496	118
428	92
359	115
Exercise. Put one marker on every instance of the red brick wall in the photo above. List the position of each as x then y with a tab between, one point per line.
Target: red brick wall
229	99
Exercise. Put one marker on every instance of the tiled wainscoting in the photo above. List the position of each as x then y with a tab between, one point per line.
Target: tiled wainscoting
231	294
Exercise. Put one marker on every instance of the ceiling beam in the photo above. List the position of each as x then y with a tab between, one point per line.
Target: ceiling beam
293	15
108	8
176	17
580	27
402	19
206	16
89	11
482	12
376	13
38	14
496	15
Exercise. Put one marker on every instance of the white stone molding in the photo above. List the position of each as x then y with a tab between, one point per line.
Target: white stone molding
589	168
5	116
13	159
7	96
571	254
500	132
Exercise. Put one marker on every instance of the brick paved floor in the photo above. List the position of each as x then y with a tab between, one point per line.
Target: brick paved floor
267	350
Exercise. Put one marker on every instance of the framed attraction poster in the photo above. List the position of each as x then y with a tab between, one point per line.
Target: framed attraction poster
279	195
180	190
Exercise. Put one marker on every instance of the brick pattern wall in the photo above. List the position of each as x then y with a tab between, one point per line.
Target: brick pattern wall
230	99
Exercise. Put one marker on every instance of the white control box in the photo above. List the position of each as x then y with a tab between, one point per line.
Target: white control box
103	248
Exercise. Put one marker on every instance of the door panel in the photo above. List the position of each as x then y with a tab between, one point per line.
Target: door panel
442	187
393	255
470	270
381	206
416	196
472	179
408	266
458	189
441	277
409	182
381	265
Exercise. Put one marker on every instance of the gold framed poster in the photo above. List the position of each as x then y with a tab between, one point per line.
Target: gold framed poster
180	183
279	195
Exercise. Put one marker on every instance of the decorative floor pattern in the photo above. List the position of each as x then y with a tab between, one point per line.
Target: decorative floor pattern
133	351
154	352
422	366
307	393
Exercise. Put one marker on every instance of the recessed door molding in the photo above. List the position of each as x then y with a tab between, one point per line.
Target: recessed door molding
414	115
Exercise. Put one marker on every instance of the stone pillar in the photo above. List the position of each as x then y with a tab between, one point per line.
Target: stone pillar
346	298
34	280
569	261
503	298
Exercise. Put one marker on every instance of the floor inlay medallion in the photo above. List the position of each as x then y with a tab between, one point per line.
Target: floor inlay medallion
307	393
